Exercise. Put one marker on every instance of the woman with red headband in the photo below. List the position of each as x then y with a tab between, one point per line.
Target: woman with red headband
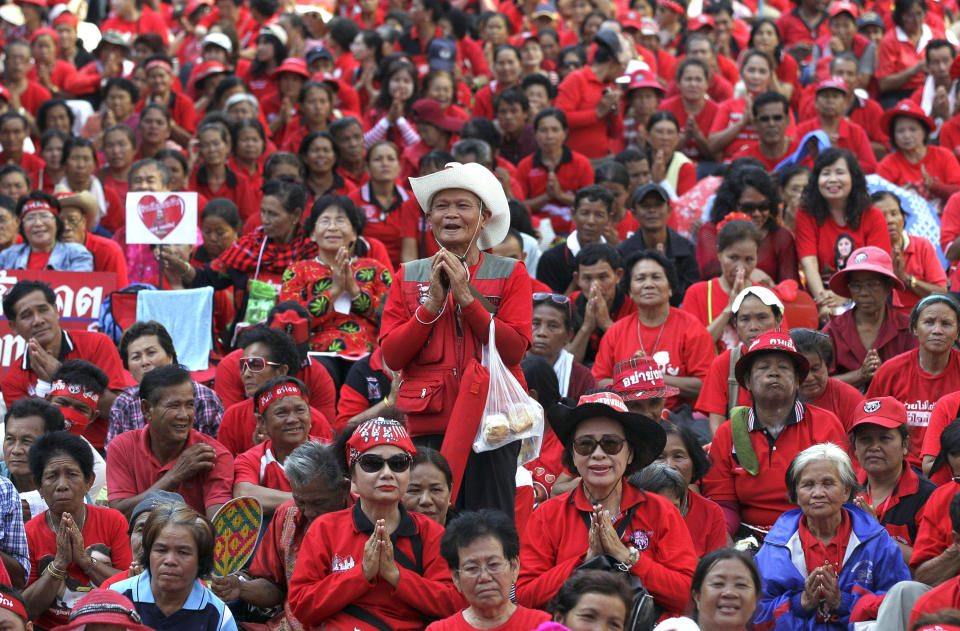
160	82
374	565
43	249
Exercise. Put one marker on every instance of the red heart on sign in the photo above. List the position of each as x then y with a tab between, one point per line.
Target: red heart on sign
160	218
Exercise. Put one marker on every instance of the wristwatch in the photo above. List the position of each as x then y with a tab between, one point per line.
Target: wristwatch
631	560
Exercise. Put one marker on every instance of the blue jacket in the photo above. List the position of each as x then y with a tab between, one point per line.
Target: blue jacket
65	257
872	564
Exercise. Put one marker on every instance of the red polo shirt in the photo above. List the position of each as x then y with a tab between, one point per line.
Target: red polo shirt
522	619
939	162
132	469
714	395
389	225
258	466
794	30
849	136
934	531
840	398
578	96
943	596
239	423
574	172
944	412
816	554
896	53
704	121
752	150
34	96
705	521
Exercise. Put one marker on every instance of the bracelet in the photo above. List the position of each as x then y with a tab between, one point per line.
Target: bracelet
386	400
56	572
913	281
416	314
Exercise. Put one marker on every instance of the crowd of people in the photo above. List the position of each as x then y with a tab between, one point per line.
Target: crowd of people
574	316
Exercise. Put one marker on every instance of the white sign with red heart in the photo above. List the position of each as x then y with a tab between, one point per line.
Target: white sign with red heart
154	218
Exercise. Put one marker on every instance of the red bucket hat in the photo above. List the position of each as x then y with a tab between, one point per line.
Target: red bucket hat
772	342
430	111
883	411
104	606
866	259
907	108
296	65
641	378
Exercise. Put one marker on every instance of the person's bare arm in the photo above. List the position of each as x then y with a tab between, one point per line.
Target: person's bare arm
269	498
565	482
195	459
256	590
716	420
940	568
689	386
927	465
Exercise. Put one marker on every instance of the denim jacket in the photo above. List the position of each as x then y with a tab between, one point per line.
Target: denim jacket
65	257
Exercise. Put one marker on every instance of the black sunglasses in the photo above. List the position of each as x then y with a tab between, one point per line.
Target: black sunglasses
586	445
372	463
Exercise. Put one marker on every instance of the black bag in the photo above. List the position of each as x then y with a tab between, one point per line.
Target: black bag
643	613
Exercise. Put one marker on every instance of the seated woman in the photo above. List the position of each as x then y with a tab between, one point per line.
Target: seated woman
177	551
836	219
901	64
482	549
386	118
833	589
893	492
777	426
872	332
373	565
80	162
283	416
931	171
819	388
915	260
750	190
431	485
60	537
919	378
552	331
119	147
680	345
213	177
604	443
51	150
669	167
591	597
120	96
315	113
43	247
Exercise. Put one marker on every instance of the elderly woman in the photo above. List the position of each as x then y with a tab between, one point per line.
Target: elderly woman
482	549
931	171
814	560
319	487
819	388
177	551
836	219
746	476
431	484
341	287
432	308
61	564
919	378
43	248
80	161
893	492
591	598
872	332
373	565
604	443
750	190
680	345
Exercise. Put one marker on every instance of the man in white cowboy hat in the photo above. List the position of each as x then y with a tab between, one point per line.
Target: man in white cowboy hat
438	316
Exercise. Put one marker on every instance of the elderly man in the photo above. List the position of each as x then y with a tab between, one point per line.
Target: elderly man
319	487
435	323
31	308
168	454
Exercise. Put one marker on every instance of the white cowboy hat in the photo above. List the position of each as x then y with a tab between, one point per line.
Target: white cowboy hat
480	181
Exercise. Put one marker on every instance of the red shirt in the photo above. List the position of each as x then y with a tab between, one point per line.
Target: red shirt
816	554
944	412
389	225
38	260
34	96
239	423
108	256
950	230
705	521
132	469
896	54
247	200
20	381
729	113
943	596
950	136
841	399
706	300
277	552
522	619
849	136
893	338
752	150
574	172
578	96
919	260
940	163
148	22
903	379
762	498
555	541
258	466
329	575
714	395
704	121
685	349
323	394
794	30
823	240
102	525
934	531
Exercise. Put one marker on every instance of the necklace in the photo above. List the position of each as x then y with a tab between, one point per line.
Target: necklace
594	501
78	523
655	344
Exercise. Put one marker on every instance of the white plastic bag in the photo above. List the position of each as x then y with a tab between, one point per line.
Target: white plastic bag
509	414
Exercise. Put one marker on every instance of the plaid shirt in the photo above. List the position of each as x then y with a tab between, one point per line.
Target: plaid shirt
126	415
13	537
243	255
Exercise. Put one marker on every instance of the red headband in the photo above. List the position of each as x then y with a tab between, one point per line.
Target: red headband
74	391
286	389
13	605
37	204
293	324
734	216
378	431
159	63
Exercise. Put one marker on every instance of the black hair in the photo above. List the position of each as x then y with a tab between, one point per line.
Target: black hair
9	204
470	526
36	195
520	218
727	198
124	84
881	195
277	381
124	129
630	154
604	52
511	95
722	554
662	115
282	157
756	28
857	202
279	345
787	173
224	209
21	289
184	516
768	97
155	107
902	6
52	133
611	171
539	373
594	253
698	458
893	126
308	140
51	414
259	68
949	446
590	582
550	112
436	8
573	49
45	108
541	80
292	196
229	82
143	329
78	142
693	61
436	158
7	169
593	193
247	123
813	341
318	85
426	455
669	269
154	382
482	129
82	373
12	115
388	68
343	124
357	219
737	230
513	234
176	154
933	299
265	7
955	512
15	595
55	444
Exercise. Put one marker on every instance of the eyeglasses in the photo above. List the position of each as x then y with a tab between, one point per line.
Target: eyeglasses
493	568
865	285
326	222
372	463
770	118
255	364
74	221
542	296
572	64
750	208
38	215
586	445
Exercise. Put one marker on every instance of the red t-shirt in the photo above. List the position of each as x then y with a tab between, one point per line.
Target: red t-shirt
715	393
706	524
258	466
38	260
794	30
919	260
894	55
729	113
578	96
849	136
939	162
903	379
685	349
148	22
238	424
949	231
132	469
706	300
944	412
522	619
108	256
103	525
824	241
574	172
934	531
390	225
704	121
943	596
34	96
840	398
752	150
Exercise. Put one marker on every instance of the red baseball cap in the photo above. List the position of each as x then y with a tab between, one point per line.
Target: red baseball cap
869	258
296	65
676	7
107	607
772	342
430	111
883	411
938	627
843	6
641	378
833	83
909	109
640	79
701	21
632	19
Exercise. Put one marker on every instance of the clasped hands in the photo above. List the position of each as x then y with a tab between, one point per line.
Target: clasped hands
821	586
604	538
447	272
378	556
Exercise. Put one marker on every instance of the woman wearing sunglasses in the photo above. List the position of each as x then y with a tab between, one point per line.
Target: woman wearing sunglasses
375	565
638	532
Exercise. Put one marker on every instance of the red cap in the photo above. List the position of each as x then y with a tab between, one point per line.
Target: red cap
104	606
833	83
883	411
842	6
520	39
66	18
676	7
35	205
938	627
866	259
431	111
45	30
640	378
772	341
296	65
910	109
39	3
204	70
701	21
378	431
643	79
632	19
649	26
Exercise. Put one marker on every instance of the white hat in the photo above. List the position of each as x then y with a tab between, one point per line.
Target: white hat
765	296
480	181
12	13
218	39
276	30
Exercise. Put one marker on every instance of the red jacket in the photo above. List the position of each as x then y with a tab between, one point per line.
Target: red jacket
578	96
555	543
329	575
